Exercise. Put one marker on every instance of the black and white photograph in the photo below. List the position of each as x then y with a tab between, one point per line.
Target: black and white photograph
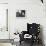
22	22
20	13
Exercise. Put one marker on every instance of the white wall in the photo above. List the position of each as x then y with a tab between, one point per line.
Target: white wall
3	34
3	21
35	12
3	1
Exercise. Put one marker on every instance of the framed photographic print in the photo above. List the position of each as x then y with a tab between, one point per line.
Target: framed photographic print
20	13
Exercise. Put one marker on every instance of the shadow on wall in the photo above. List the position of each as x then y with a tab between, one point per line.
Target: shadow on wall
41	34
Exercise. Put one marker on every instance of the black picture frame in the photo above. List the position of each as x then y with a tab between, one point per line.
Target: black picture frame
20	13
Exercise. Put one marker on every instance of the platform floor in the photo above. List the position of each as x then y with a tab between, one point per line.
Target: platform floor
6	40
27	44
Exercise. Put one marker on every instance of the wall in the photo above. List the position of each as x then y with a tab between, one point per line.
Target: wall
35	13
3	34
3	1
3	21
